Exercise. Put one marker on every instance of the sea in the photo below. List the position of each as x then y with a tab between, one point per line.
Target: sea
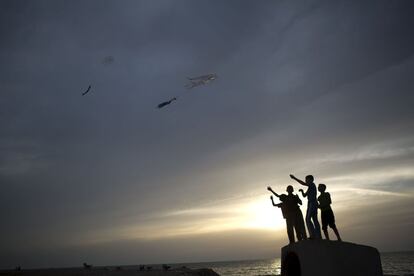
393	263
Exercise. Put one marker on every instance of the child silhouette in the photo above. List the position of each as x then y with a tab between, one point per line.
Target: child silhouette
312	222
327	214
291	212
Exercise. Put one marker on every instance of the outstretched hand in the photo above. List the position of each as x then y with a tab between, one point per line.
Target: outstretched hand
271	197
269	188
292	176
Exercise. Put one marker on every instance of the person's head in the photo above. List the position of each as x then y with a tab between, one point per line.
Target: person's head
289	189
309	179
321	188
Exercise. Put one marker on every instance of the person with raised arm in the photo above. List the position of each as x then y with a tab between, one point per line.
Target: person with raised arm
311	219
291	212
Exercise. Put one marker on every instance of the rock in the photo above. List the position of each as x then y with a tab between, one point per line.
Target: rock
330	258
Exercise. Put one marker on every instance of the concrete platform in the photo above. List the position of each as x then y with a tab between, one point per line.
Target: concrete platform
330	258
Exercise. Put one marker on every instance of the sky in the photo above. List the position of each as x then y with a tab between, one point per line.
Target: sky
304	87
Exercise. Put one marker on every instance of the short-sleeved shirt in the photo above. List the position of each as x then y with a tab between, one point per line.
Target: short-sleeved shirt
324	201
311	194
290	203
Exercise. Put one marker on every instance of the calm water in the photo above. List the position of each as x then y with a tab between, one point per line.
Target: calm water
399	263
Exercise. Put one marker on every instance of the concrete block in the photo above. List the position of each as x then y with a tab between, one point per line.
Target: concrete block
330	258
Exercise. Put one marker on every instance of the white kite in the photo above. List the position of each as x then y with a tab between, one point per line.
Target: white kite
201	80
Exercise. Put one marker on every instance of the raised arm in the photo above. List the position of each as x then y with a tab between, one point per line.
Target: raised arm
273	192
299	200
304	194
274	204
298	180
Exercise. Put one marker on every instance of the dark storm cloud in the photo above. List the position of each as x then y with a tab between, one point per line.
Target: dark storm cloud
295	80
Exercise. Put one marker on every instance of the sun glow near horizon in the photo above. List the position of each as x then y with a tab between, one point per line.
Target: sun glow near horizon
260	214
250	211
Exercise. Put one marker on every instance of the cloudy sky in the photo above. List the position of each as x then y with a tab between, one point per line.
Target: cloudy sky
304	87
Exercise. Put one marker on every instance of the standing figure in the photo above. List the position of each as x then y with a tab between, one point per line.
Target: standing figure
312	222
291	212
327	214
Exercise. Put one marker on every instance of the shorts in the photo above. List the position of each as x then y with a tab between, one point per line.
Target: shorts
328	218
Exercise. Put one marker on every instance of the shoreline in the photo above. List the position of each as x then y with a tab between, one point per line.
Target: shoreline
111	271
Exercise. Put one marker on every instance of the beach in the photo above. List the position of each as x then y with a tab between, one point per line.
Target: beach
112	272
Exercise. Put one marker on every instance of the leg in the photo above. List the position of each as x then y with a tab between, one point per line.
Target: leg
309	224
333	225
325	220
301	224
325	231
336	233
317	227
289	227
297	228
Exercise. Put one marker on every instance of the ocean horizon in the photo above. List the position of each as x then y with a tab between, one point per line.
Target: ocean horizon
393	263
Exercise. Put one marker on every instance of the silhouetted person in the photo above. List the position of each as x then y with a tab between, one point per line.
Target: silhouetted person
327	214
312	222
292	213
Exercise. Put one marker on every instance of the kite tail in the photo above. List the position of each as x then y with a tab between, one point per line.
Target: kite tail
189	85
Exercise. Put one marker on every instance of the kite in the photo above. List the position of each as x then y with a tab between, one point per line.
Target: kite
87	91
108	60
201	80
161	105
194	82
